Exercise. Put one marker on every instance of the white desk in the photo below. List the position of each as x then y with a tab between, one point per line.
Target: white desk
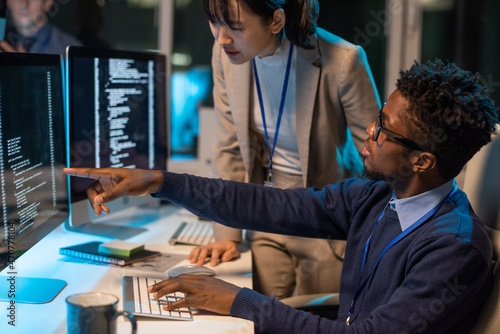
44	260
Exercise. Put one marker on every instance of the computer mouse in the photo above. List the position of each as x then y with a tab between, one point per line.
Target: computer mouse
190	269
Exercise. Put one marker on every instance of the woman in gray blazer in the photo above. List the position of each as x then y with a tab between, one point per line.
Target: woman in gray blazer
292	103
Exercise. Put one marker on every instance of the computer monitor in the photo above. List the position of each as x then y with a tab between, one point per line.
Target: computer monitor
117	116
34	189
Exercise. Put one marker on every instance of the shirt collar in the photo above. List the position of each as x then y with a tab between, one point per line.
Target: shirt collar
43	33
279	57
413	208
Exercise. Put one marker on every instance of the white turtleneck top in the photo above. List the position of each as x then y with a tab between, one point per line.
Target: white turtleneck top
271	71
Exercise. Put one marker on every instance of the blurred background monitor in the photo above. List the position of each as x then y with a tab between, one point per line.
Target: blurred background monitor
3	14
34	189
117	116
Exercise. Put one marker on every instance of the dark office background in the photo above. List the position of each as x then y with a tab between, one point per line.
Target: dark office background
467	33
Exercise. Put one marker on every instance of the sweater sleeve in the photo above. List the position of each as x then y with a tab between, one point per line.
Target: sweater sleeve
271	316
315	213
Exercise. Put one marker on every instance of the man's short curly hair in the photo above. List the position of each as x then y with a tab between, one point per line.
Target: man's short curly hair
449	112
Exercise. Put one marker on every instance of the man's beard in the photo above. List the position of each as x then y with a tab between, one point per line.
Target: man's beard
397	182
31	26
373	175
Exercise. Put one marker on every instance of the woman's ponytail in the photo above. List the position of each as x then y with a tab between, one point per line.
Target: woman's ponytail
301	21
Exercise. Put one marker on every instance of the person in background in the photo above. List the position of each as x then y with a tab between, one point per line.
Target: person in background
418	260
292	102
31	31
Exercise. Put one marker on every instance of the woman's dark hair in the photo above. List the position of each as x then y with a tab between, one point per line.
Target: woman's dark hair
301	16
449	110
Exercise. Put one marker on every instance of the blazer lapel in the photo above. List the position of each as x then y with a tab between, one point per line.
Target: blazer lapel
239	86
307	85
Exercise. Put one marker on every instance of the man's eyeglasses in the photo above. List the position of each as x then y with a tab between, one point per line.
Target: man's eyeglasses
379	127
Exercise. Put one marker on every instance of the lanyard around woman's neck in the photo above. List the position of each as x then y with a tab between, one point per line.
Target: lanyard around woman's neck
403	234
280	113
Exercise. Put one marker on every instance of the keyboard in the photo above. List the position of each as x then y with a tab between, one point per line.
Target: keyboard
138	301
193	233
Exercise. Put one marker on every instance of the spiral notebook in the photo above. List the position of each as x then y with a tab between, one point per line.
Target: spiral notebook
90	251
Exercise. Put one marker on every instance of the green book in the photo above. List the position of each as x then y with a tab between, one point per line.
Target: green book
120	248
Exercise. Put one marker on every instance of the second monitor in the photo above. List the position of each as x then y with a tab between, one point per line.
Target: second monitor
117	117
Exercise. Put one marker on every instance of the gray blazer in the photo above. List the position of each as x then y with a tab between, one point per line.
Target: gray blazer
336	100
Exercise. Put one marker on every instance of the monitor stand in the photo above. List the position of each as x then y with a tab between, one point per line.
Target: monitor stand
126	220
107	230
29	290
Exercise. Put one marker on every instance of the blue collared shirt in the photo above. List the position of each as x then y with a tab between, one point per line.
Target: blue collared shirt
413	208
50	39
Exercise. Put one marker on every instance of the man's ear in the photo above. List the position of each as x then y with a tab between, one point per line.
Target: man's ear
279	19
423	162
47	4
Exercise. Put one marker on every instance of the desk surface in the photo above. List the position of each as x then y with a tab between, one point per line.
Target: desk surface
44	260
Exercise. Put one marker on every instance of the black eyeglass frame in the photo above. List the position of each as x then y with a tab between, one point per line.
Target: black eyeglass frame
379	127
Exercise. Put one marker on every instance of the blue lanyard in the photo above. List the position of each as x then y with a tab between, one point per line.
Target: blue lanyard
403	234
282	105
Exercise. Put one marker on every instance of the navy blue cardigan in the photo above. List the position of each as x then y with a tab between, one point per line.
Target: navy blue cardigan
433	281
